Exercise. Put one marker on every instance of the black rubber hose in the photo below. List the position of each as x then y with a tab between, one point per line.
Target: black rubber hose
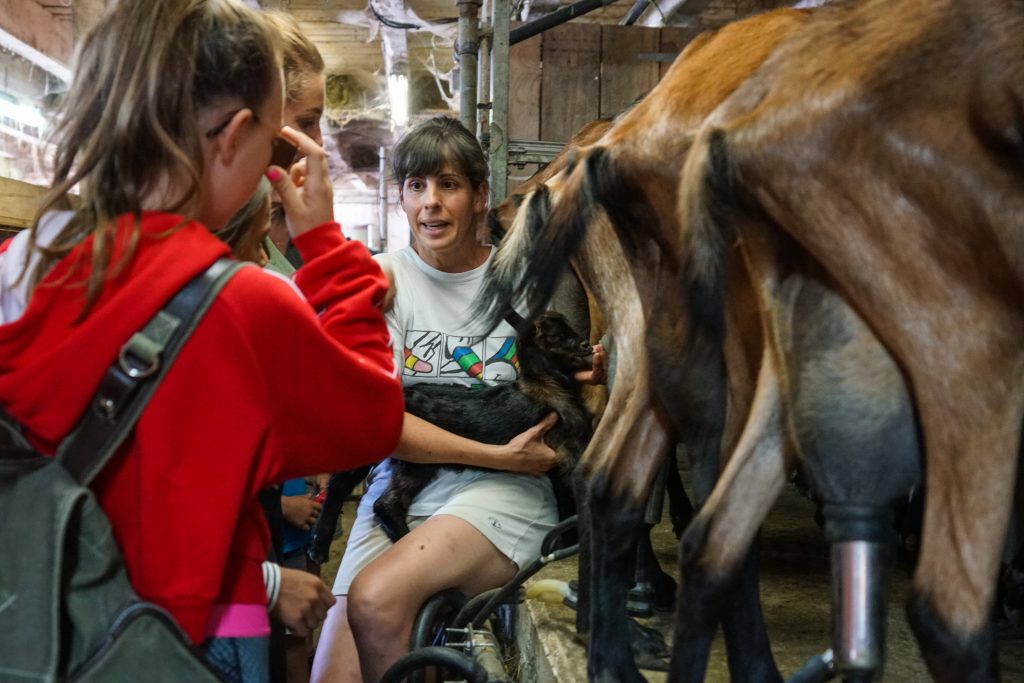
450	600
502	594
440	605
635	12
552	19
818	669
547	546
472	608
435	656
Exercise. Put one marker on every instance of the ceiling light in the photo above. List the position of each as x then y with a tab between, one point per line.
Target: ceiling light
398	95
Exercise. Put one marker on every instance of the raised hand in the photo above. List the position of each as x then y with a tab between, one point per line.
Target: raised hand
305	189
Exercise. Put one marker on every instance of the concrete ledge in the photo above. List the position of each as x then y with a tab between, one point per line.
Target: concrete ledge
533	661
546	636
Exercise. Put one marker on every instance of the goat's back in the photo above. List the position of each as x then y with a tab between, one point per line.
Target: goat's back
493	415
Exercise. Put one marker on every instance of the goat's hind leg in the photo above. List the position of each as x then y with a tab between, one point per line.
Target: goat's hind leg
630	454
853	423
715	551
972	443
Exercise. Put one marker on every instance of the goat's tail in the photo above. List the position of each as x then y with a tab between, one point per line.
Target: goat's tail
706	204
617	187
535	251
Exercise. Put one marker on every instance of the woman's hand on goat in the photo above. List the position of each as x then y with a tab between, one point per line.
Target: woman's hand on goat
598	372
528	453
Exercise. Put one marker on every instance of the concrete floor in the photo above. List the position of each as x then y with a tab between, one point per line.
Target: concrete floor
794	592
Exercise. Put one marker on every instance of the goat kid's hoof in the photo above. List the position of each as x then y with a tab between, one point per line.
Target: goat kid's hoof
394	532
650	651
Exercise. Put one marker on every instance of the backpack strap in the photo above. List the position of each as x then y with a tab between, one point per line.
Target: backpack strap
134	376
10	433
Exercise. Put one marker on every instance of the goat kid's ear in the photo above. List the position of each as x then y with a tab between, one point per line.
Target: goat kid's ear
518	322
495	226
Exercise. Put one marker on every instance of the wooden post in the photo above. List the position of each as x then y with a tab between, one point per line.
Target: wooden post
19	202
571	91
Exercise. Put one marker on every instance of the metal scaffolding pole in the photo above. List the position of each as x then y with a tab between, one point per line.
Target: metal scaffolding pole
467	47
499	101
483	107
382	202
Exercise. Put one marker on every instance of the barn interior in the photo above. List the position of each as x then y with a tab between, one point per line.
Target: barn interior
524	75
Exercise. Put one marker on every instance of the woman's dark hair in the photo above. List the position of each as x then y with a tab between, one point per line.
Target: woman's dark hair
425	149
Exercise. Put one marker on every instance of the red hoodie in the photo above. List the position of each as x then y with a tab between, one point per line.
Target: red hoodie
268	387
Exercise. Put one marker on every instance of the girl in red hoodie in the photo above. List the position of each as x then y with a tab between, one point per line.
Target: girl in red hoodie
166	130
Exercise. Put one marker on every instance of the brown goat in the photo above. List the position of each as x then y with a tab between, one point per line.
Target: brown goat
886	141
568	217
500	219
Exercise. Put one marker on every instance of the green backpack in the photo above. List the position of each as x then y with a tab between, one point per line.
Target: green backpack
67	609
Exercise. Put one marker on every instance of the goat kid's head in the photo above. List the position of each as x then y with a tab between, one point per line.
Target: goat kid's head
553	336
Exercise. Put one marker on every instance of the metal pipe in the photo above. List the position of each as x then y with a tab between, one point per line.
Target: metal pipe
382	201
483	106
499	101
467	47
560	16
638	8
858	603
25	51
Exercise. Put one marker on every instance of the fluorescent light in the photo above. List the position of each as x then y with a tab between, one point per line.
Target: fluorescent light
398	95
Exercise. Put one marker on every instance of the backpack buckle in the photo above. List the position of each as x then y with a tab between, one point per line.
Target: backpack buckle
140	356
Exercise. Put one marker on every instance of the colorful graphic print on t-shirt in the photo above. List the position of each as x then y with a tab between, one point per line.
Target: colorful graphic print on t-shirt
436	354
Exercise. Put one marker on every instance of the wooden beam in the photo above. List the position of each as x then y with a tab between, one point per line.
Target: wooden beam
624	76
19	202
571	54
38	29
85	14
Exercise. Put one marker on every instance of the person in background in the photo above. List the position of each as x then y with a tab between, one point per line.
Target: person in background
303	109
290	510
166	130
470	528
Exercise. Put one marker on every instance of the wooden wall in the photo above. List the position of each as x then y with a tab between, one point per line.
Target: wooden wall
576	73
18	204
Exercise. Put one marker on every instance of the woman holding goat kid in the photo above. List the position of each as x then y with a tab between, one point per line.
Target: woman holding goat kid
470	529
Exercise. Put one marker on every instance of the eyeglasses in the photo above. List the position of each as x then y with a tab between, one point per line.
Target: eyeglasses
219	128
282	151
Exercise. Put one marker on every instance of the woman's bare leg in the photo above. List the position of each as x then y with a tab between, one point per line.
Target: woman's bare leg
443	552
336	659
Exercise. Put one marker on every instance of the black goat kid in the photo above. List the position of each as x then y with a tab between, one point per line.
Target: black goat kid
549	353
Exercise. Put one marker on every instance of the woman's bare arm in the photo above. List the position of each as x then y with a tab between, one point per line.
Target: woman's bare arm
424	442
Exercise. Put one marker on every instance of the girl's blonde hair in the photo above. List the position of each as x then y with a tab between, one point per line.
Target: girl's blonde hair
130	119
300	57
243	231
